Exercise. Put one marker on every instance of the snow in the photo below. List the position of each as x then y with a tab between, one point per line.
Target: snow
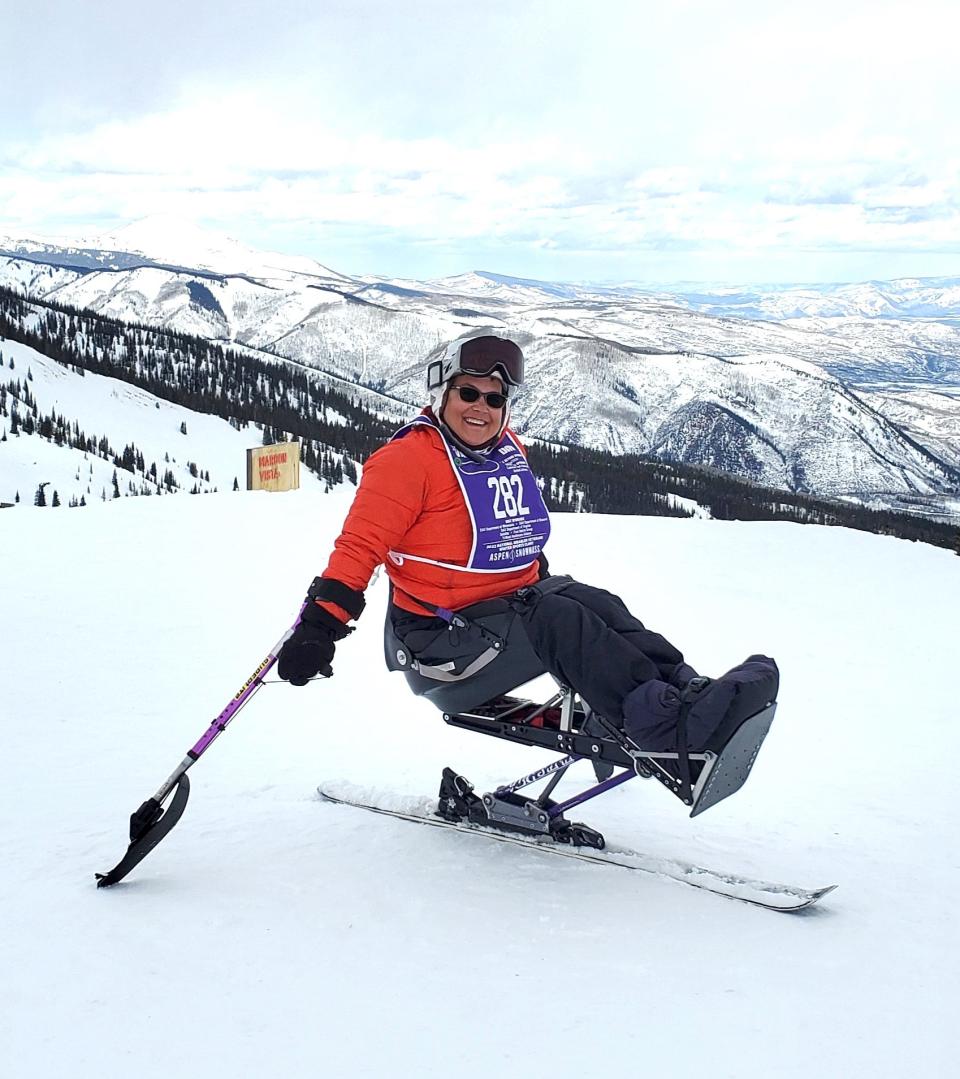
760	359
270	934
691	505
124	414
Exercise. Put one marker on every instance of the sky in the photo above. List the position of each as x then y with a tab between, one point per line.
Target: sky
615	141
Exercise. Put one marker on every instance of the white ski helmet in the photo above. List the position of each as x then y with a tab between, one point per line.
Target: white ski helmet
485	356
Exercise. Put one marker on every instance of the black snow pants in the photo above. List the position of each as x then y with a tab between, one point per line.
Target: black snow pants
583	635
587	638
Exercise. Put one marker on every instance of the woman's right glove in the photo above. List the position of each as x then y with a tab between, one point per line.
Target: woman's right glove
308	651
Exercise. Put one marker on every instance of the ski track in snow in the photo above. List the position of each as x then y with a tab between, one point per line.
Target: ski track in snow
271	935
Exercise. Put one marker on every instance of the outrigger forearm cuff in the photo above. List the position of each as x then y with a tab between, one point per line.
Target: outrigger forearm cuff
330	590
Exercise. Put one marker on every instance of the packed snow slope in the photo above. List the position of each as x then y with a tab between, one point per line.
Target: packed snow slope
272	935
169	436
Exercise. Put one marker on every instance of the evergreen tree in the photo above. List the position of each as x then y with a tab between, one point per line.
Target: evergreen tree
284	401
183	427
116	485
56	498
40	498
236	484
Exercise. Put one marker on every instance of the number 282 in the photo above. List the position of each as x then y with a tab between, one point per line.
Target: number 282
507	497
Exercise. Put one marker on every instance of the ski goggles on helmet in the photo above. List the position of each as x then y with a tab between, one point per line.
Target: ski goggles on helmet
482	357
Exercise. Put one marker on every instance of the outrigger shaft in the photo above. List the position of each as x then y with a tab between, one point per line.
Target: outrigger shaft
151	822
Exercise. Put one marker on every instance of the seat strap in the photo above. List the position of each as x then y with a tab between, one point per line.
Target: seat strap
531	593
526	595
440	674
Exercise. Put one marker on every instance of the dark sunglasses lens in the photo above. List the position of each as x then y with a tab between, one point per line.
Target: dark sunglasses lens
483	355
469	394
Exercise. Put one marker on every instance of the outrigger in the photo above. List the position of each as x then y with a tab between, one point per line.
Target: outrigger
473	680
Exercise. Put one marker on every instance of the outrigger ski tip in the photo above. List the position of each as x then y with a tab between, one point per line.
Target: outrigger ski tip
148	825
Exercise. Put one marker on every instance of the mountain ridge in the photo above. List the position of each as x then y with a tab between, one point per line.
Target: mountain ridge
147	368
625	369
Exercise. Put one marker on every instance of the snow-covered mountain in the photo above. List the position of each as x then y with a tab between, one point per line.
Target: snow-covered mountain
270	935
902	298
162	240
792	404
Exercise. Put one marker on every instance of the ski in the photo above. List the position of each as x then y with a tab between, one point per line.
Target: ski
781	897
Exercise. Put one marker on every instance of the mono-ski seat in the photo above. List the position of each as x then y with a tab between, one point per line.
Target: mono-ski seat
466	666
471	668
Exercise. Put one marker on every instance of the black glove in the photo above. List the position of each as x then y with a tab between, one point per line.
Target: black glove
308	651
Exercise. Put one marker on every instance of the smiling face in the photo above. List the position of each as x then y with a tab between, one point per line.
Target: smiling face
476	422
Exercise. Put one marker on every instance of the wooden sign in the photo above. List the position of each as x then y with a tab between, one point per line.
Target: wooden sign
274	468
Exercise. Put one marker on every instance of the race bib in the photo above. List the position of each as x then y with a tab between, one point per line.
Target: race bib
510	520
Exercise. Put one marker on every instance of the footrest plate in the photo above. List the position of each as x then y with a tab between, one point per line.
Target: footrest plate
729	771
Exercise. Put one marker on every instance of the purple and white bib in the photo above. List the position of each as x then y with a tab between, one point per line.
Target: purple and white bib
510	521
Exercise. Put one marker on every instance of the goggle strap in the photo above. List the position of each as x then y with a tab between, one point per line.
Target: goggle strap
435	375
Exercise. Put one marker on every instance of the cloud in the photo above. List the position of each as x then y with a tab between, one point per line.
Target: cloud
364	130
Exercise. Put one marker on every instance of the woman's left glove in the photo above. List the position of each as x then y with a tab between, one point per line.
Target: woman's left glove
309	650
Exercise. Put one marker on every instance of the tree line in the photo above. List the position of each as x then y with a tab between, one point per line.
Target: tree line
338	432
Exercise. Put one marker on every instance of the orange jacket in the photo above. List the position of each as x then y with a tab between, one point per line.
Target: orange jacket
409	501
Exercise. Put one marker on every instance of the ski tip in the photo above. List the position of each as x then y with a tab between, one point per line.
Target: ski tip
812	897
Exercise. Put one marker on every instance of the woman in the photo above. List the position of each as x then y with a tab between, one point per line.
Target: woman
451	508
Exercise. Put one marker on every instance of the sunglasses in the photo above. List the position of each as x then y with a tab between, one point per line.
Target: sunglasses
470	394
